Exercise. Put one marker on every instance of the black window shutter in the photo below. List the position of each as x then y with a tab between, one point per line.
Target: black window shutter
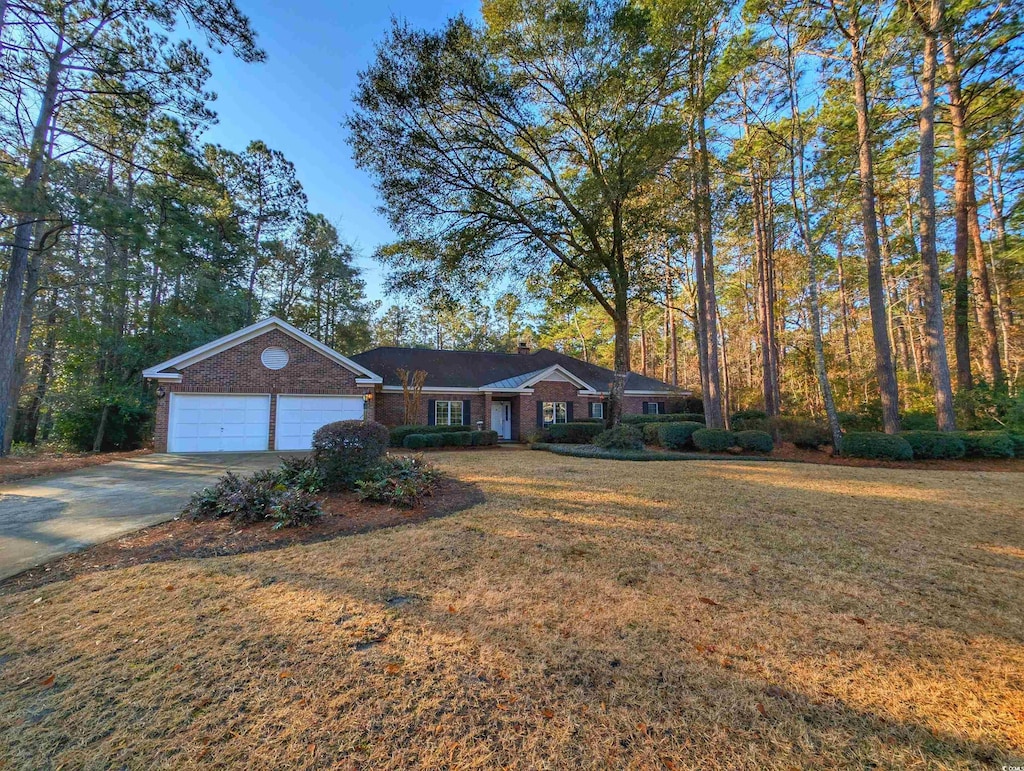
465	413
661	408
568	412
432	412
540	414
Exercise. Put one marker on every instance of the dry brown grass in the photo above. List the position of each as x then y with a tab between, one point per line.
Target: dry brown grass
590	614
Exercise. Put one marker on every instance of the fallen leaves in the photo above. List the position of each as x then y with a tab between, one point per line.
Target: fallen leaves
47	682
709	601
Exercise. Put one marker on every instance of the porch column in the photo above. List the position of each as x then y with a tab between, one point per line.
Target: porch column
487	411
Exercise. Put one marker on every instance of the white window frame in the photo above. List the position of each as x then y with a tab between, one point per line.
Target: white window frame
554	413
597	410
657	408
448	412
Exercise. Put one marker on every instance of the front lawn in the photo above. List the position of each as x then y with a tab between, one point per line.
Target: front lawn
590	613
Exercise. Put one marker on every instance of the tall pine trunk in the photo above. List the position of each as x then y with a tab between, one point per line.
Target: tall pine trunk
934	325
885	370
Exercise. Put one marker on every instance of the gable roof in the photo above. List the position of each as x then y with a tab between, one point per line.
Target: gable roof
485	370
171	369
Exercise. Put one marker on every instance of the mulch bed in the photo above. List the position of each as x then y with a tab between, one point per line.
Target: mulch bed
344	514
23	467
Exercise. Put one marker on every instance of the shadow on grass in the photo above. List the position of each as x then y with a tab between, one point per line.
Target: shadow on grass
184	539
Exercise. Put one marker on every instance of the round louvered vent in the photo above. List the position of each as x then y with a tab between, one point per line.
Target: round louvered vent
274	357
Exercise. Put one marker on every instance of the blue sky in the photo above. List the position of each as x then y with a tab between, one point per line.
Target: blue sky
297	100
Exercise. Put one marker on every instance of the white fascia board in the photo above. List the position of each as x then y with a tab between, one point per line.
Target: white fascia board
248	333
581	384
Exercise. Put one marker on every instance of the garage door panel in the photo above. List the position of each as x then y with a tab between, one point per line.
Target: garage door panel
218	423
298	417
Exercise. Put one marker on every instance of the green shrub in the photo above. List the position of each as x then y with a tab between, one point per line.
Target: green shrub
755	441
639	420
987	444
686	405
806	433
260	497
930	445
398	481
620	438
434	440
713	439
1017	438
397	434
455	438
750	420
678	436
874	444
346	450
483	438
650	432
300	473
919	421
572	433
415	441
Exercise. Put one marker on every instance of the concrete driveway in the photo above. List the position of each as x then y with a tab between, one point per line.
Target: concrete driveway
46	517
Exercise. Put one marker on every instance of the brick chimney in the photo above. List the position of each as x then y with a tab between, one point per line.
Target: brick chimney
524	348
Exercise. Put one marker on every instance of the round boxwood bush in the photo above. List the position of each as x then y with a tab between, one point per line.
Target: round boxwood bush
678	436
414	441
345	451
987	444
572	433
755	441
931	445
650	432
434	440
876	445
713	439
624	437
483	438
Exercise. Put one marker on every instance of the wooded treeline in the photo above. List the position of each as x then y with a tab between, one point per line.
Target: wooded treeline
128	240
811	207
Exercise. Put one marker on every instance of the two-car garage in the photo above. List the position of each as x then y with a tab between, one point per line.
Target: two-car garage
266	387
201	422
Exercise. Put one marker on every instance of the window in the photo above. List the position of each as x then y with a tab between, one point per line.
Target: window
597	410
652	408
448	413
555	412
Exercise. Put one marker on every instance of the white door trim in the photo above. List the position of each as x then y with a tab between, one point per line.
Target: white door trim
504	427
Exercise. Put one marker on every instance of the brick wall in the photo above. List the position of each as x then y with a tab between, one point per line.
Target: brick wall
548	391
390	407
238	370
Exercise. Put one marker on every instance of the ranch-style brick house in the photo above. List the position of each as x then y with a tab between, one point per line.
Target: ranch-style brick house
269	386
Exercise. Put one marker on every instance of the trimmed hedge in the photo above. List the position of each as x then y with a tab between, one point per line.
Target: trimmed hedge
396	435
876	445
346	450
678	436
932	445
1018	443
620	438
635	420
650	432
757	441
713	439
749	420
576	432
483	438
450	439
987	444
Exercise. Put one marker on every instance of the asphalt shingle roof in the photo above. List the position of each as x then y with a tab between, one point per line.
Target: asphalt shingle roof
472	369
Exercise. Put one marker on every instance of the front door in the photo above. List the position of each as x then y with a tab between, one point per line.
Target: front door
501	419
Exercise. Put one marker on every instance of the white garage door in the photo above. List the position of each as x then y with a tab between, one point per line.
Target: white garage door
298	417
218	423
